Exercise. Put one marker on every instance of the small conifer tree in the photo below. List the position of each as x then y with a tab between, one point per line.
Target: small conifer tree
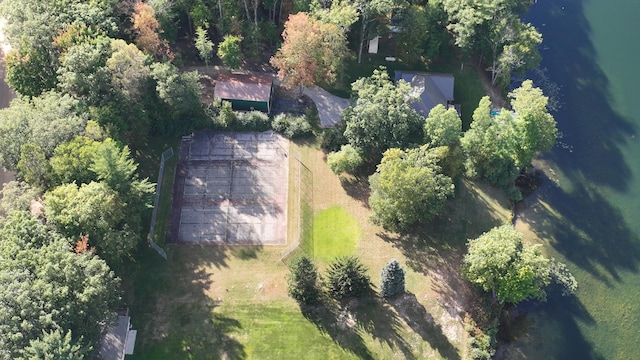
347	276
303	280
391	279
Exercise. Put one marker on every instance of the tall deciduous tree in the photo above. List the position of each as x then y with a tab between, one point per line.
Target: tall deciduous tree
229	51
442	127
408	187
129	69
498	147
381	117
370	11
47	120
312	51
536	126
147	29
514	271
204	45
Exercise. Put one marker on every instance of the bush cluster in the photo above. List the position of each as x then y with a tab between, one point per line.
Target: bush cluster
291	126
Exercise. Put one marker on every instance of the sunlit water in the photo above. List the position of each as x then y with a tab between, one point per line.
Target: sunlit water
592	221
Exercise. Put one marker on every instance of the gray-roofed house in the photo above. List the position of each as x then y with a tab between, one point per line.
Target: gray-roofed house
118	340
245	92
430	89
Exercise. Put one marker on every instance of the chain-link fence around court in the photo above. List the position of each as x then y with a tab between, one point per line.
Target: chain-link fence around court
165	156
301	219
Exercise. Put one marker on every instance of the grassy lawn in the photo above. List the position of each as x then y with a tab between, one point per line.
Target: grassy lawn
230	302
335	233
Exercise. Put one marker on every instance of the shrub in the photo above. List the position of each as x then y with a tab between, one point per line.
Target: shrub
291	126
391	279
303	280
226	117
347	276
252	121
333	138
346	160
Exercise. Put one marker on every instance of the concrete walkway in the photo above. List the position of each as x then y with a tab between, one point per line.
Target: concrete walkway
330	107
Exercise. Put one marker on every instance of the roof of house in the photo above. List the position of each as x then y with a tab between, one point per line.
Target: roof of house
112	345
431	89
243	87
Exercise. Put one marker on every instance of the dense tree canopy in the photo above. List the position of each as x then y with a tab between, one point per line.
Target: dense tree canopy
313	51
47	287
381	117
514	271
497	147
408	187
47	120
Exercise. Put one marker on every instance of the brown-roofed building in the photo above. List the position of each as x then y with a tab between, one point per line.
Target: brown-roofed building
245	92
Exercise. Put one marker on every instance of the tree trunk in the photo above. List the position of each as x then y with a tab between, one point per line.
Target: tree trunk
220	8
246	9
362	39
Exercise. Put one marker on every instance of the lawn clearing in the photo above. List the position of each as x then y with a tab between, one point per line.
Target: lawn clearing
224	301
335	234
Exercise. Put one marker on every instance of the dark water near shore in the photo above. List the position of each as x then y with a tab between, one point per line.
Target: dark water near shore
588	210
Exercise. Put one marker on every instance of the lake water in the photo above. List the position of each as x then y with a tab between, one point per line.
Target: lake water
588	210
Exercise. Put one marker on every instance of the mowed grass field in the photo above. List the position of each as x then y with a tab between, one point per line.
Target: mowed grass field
230	302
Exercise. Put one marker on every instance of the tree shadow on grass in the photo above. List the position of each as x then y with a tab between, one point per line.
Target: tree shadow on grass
170	306
377	318
422	323
331	320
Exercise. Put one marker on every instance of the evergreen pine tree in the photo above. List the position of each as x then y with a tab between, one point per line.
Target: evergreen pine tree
347	277
391	279
302	282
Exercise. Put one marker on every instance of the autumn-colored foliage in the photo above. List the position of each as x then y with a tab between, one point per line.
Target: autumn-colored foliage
147	29
82	245
312	51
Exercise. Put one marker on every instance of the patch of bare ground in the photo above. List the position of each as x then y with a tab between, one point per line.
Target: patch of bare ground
498	100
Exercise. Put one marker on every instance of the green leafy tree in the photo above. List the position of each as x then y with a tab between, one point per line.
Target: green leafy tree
514	47
30	71
371	11
536	127
347	277
498	147
33	166
47	120
348	159
72	161
46	286
180	91
442	127
83	72
513	271
229	51
128	68
381	117
53	345
203	44
17	196
391	279
490	146
95	210
408	187
302	283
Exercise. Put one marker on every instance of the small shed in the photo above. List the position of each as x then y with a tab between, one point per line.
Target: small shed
245	92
